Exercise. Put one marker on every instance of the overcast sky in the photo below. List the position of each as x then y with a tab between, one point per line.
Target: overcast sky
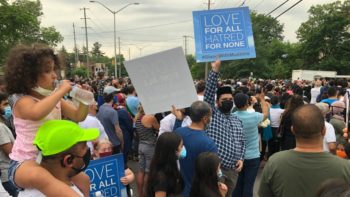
154	25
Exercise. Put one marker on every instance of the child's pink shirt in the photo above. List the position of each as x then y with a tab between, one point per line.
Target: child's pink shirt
23	148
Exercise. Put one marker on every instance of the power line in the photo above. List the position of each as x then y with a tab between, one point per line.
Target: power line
258	4
278	7
145	27
98	19
160	25
98	27
243	3
140	42
237	4
221	4
289	8
100	36
168	40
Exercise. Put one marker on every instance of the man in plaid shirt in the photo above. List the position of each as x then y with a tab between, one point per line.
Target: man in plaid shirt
225	129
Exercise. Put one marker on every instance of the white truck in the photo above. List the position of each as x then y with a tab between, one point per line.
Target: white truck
312	74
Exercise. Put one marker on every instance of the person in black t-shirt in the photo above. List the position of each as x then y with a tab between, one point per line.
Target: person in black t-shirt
208	180
164	176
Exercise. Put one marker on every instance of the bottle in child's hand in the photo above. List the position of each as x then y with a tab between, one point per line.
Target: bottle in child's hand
84	96
64	84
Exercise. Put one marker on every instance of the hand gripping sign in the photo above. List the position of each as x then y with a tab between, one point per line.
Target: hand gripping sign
224	34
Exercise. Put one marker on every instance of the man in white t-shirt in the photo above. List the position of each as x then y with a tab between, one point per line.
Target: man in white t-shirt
168	122
91	121
329	139
6	142
315	91
65	154
275	117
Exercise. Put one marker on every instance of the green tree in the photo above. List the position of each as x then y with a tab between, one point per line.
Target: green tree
82	54
68	61
20	23
96	50
325	37
121	63
283	58
97	56
50	36
197	69
267	33
81	72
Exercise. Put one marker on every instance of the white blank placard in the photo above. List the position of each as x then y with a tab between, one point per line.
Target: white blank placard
161	80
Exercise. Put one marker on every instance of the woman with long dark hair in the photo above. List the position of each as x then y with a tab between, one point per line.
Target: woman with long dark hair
288	138
164	178
206	179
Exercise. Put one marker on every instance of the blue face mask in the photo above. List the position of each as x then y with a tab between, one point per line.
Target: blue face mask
219	174
183	153
7	112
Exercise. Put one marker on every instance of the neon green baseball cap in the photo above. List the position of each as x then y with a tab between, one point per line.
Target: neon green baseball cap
56	136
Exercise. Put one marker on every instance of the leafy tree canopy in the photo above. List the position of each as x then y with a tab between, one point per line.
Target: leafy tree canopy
325	37
20	23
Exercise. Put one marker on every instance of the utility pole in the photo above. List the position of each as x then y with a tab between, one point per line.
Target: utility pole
75	46
207	64
120	59
87	43
185	43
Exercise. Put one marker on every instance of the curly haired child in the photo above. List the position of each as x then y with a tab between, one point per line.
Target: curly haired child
30	72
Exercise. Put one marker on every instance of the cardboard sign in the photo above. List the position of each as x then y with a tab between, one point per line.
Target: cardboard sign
105	174
224	34
162	80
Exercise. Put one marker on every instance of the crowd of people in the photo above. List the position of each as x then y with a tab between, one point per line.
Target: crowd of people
214	147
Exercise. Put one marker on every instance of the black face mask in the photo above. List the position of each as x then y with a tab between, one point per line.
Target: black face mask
226	106
86	158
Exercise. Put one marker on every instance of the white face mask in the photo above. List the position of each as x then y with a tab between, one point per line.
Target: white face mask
42	91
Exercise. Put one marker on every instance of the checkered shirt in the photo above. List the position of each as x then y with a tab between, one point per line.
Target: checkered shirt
225	130
100	87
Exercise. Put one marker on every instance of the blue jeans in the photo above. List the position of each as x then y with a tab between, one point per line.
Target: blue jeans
12	171
246	178
100	100
127	145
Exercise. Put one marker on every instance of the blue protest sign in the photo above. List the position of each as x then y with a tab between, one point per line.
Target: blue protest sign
105	174
224	34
